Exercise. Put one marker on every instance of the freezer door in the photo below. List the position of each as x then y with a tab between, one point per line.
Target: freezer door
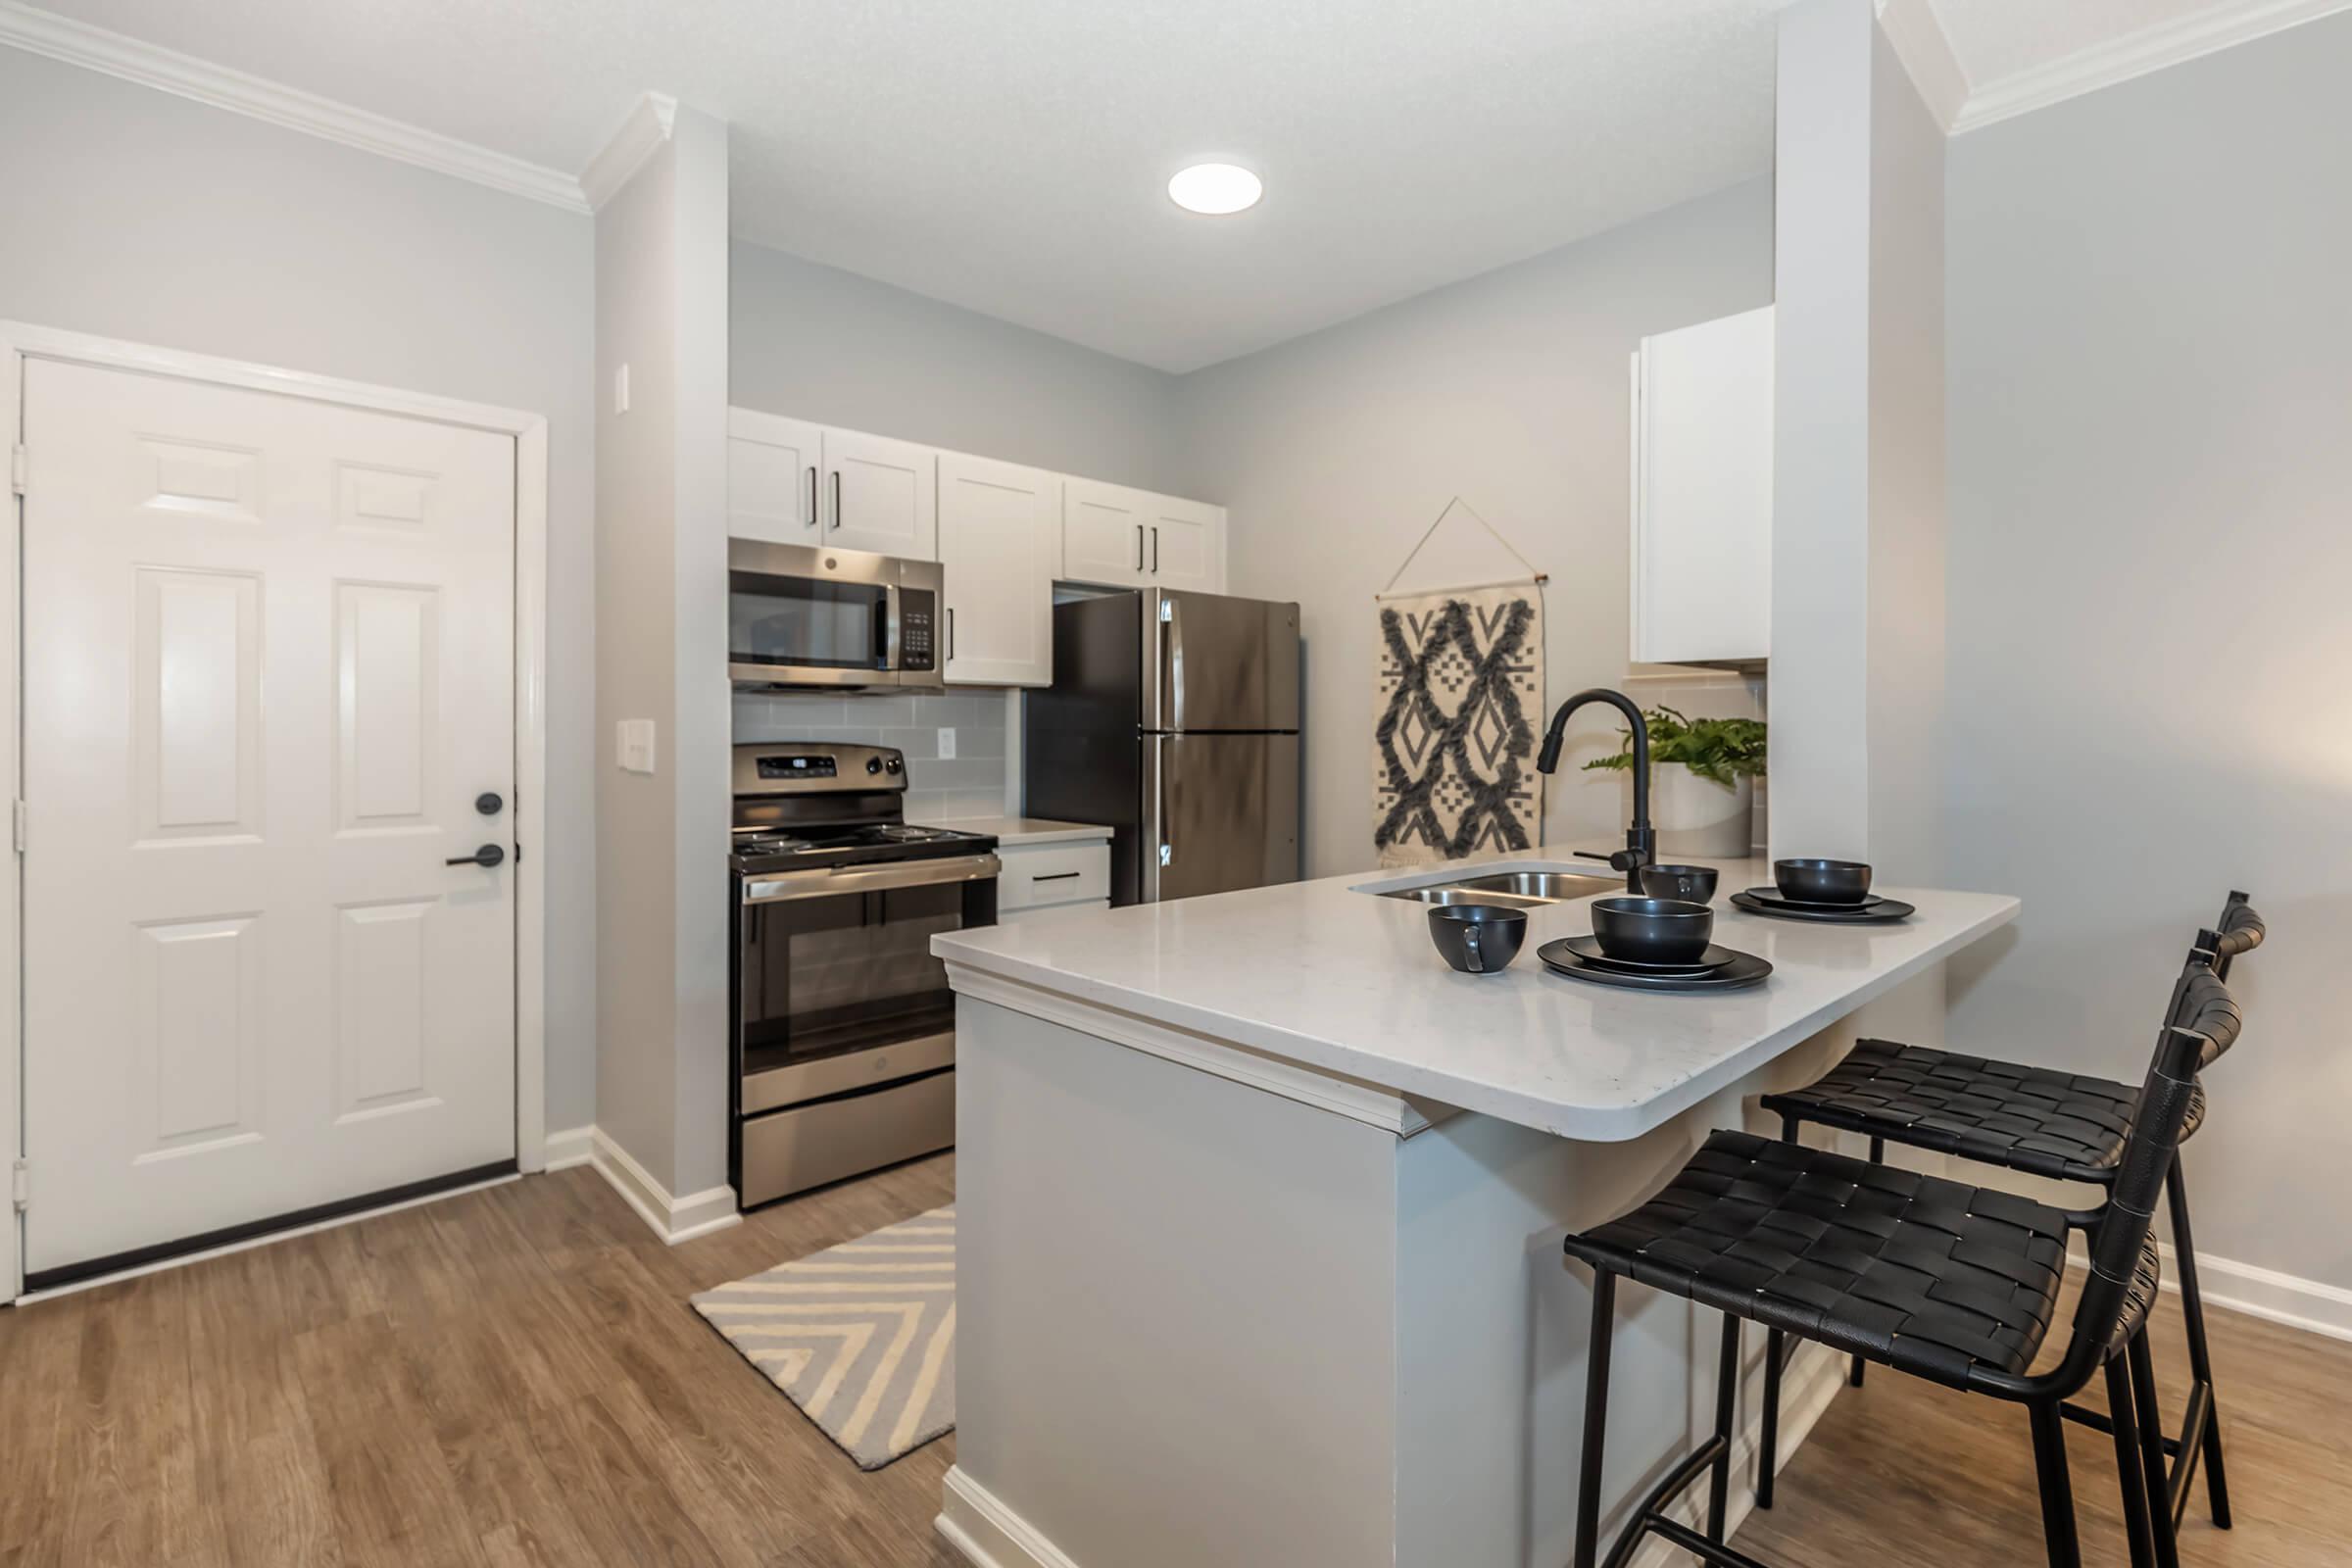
1220	812
1213	662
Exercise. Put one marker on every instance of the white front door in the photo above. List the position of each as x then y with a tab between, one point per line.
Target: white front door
268	667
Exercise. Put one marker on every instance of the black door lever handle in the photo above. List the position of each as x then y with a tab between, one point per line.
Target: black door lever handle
488	856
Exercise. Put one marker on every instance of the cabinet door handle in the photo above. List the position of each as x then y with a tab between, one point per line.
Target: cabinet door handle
836	498
812	506
1055	876
1138	547
950	631
1155	552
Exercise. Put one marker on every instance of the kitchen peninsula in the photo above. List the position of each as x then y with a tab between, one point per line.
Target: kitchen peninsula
1260	1208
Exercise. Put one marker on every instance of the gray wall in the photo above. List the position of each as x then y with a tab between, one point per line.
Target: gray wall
1334	452
137	215
2151	400
660	508
821	344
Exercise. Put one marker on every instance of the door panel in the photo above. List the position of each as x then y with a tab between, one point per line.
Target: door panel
1227	813
1184	544
997	527
772	478
269	666
884	495
1221	663
1101	533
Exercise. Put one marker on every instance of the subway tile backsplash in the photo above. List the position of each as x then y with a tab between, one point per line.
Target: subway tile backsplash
970	784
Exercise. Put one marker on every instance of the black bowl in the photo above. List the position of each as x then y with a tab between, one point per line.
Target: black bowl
1652	930
1822	881
1477	938
1692	884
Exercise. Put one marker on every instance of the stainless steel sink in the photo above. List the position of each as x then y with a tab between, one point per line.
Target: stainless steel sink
1520	890
1544	887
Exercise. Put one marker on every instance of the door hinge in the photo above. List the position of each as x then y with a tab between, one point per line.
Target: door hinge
20	1186
17	469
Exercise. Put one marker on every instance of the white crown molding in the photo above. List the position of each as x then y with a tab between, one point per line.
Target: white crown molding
648	126
1926	51
77	43
2135	54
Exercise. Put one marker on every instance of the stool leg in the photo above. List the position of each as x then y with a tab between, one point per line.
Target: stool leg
1877	1156
2124	1421
1767	1446
2200	1362
2057	1492
1727	1391
1596	1419
2151	1451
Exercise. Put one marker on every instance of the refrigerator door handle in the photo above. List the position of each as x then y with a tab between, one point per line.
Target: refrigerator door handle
1167	855
1171	645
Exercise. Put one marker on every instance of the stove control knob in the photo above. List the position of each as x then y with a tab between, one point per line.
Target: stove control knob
895	765
873	765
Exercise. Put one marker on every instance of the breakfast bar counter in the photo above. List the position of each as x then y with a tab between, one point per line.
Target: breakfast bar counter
1260	1208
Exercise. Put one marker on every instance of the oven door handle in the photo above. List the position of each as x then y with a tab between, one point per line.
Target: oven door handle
836	881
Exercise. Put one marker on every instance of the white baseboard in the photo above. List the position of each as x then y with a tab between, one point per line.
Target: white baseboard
674	1219
978	1523
574	1146
2286	1299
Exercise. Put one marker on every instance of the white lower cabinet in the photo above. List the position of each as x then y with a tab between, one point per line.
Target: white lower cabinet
1050	876
999	533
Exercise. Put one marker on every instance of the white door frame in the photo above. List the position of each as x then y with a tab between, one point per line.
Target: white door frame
20	342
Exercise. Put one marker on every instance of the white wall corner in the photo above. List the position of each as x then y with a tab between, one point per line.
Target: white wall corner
1926	51
2205	31
648	126
674	1219
573	1145
92	48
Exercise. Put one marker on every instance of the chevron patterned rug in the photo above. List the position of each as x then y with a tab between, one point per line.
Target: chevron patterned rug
862	1336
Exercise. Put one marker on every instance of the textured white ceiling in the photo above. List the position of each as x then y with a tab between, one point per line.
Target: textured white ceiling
1011	155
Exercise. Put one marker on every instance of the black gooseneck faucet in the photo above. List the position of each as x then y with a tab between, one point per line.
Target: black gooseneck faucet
1641	844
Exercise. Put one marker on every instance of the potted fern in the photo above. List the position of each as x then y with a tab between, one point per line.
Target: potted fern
1701	781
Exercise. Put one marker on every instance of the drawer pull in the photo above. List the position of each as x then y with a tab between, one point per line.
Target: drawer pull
1058	876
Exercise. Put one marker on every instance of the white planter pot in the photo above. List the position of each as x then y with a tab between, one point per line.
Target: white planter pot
1696	816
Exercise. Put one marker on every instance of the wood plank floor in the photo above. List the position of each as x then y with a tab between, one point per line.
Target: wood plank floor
511	1379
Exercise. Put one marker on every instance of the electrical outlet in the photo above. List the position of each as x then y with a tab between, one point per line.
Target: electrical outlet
947	744
634	745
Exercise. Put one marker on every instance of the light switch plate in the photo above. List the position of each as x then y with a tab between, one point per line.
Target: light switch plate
621	390
947	744
635	743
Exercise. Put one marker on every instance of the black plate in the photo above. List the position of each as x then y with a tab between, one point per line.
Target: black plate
1745	969
1588	949
1774	896
1877	912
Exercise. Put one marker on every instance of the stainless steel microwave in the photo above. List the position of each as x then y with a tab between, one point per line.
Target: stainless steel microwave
802	616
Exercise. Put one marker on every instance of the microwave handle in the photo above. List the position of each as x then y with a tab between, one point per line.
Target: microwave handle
890	629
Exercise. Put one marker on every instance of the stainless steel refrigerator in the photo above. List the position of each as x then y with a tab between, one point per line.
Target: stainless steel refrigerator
1173	719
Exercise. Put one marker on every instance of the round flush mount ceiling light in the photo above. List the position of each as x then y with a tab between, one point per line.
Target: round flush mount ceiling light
1215	189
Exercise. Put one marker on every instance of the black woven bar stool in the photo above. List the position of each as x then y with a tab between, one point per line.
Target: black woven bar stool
2041	1123
1947	1282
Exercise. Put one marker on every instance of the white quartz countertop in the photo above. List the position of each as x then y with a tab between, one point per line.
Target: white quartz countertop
1020	830
1342	981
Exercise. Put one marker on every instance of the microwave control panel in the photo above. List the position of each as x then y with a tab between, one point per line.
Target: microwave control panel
918	610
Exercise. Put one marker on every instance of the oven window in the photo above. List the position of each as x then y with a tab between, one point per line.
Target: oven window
800	620
821	976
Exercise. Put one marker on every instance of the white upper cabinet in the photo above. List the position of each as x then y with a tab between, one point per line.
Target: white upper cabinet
1135	539
999	532
1101	533
1184	544
880	495
772	478
1702	493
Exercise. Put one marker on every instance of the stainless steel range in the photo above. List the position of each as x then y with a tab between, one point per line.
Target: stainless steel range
845	1027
